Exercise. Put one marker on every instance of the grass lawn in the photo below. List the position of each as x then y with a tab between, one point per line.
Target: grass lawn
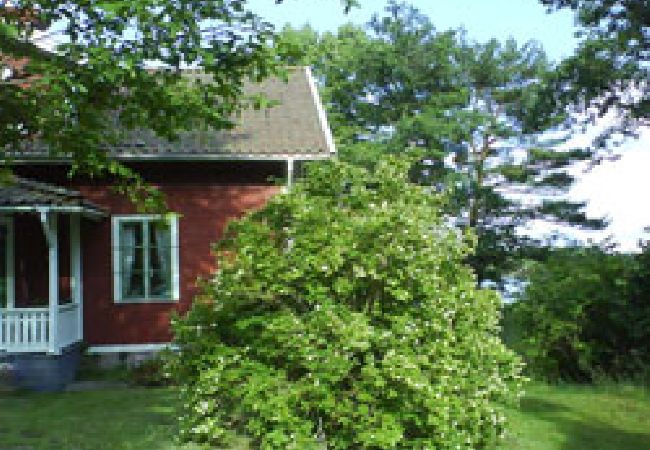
569	417
551	418
121	419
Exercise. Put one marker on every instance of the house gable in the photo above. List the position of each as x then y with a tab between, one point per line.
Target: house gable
208	178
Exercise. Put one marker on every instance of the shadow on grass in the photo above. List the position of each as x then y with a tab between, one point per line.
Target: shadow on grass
584	432
541	407
125	419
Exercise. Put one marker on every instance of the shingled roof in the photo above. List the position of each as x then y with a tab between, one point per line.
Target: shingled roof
295	127
20	194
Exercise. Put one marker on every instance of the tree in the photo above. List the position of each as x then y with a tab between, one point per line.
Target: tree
343	313
611	67
468	109
334	60
100	78
584	314
503	170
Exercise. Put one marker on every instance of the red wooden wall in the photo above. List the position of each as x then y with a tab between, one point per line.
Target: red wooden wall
206	195
31	268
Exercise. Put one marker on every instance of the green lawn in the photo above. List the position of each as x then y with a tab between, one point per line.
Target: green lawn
551	418
582	418
121	419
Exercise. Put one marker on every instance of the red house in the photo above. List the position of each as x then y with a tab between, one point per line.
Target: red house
79	265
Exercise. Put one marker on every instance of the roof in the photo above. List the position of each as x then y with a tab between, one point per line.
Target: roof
296	127
20	194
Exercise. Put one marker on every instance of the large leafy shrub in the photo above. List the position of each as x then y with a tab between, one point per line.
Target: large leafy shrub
342	317
585	314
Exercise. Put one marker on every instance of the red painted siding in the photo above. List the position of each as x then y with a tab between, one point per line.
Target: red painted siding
31	261
30	265
205	199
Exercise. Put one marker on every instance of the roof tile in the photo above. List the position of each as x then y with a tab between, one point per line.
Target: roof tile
294	127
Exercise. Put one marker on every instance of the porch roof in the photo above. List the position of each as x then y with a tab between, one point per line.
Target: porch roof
20	194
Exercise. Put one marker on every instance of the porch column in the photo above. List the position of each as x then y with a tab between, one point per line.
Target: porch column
290	166
49	222
289	173
75	270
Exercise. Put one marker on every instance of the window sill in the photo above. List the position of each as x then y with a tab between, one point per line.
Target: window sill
145	301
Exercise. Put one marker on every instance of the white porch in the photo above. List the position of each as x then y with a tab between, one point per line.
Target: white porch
29	330
52	327
44	323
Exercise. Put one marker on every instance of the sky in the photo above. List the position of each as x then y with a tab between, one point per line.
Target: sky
616	190
483	19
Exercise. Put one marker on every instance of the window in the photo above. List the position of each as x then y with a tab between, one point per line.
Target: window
145	258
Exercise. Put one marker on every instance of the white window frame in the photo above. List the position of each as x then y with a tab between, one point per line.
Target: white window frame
8	222
117	220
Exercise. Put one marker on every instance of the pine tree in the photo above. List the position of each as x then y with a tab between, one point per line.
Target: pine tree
469	109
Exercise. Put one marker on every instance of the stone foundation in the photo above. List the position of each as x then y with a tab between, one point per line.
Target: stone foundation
42	372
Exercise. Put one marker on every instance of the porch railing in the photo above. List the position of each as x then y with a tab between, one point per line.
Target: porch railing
28	329
68	331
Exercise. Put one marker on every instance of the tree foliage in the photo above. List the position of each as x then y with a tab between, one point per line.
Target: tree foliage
470	110
611	67
117	66
343	313
585	314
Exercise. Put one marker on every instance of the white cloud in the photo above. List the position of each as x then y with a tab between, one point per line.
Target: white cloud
617	190
620	190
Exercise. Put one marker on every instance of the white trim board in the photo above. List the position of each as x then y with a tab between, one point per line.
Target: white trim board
161	157
322	115
128	348
89	213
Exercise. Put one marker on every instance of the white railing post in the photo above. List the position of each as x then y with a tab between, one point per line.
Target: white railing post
67	323
76	272
49	222
24	330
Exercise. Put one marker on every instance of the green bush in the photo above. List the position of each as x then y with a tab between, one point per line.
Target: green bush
585	315
343	317
150	372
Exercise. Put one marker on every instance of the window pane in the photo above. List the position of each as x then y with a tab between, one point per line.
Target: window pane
160	274
132	268
160	284
133	285
159	234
